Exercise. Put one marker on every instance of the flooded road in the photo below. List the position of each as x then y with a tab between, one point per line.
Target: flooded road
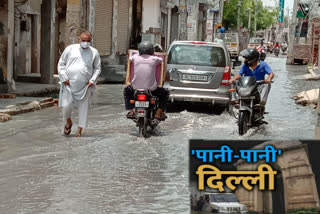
109	170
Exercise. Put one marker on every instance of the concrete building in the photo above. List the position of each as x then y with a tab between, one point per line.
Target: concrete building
6	46
34	33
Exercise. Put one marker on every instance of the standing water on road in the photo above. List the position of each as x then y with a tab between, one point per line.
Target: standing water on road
109	170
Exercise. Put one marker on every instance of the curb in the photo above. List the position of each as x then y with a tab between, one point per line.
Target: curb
6	113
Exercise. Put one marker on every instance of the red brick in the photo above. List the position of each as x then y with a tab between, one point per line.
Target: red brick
7	96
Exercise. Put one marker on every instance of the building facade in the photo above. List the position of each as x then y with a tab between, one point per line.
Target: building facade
34	33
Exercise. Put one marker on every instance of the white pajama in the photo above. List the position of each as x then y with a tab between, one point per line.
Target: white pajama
83	108
79	66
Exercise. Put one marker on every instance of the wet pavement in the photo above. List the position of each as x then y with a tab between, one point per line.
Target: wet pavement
110	170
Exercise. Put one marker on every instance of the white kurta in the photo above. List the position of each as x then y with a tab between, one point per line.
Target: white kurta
79	66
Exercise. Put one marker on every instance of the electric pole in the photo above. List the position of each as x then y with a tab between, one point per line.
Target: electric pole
255	18
221	5
292	32
238	20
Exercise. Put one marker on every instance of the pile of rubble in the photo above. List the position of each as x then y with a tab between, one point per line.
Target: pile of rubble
6	113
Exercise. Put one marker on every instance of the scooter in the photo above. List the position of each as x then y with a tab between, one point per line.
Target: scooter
251	112
145	109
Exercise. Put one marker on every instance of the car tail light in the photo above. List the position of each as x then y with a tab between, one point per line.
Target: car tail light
226	75
142	97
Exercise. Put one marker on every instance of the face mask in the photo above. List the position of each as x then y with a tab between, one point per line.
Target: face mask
84	44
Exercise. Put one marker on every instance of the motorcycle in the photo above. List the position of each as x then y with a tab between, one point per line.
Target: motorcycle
251	112
284	49
276	51
263	54
145	108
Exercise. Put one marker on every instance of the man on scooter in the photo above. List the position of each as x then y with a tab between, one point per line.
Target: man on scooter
145	78
253	67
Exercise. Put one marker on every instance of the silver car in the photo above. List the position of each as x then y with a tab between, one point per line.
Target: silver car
198	72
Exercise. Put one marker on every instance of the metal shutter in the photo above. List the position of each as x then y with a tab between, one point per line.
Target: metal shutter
103	26
123	26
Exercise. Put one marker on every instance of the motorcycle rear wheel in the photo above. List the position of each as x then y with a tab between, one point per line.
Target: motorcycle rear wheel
243	122
142	127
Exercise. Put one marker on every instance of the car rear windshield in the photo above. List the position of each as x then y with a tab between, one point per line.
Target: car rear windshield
200	55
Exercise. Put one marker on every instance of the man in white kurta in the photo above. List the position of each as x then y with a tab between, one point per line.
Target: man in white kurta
79	67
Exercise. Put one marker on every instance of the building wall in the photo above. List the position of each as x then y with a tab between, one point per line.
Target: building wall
151	15
27	38
73	21
123	27
192	21
103	26
3	43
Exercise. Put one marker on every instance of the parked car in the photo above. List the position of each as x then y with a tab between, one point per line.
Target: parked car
222	203
198	72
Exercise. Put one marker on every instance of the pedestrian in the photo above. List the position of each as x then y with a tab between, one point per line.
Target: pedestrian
79	67
221	31
145	78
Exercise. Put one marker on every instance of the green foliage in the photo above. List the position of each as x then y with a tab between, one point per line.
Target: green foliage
304	211
265	17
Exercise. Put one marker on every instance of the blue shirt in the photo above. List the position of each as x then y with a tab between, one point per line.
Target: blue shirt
259	72
222	30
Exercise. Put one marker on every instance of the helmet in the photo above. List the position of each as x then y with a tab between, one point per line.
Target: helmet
146	48
251	54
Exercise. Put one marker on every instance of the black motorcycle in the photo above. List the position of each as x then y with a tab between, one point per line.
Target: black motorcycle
276	51
251	112
145	108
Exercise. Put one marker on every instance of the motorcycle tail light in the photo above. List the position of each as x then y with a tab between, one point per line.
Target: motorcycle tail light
232	90
152	102
131	101
141	111
142	97
226	75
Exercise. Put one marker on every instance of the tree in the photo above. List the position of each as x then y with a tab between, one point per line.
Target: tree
265	17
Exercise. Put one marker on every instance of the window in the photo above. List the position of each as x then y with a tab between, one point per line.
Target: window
197	55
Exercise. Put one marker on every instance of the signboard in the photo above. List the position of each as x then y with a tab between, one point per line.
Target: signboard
182	9
281	11
191	25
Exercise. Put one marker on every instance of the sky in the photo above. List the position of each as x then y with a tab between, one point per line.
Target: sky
287	4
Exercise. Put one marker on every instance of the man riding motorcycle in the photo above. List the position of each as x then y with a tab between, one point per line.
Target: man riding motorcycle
145	78
254	67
